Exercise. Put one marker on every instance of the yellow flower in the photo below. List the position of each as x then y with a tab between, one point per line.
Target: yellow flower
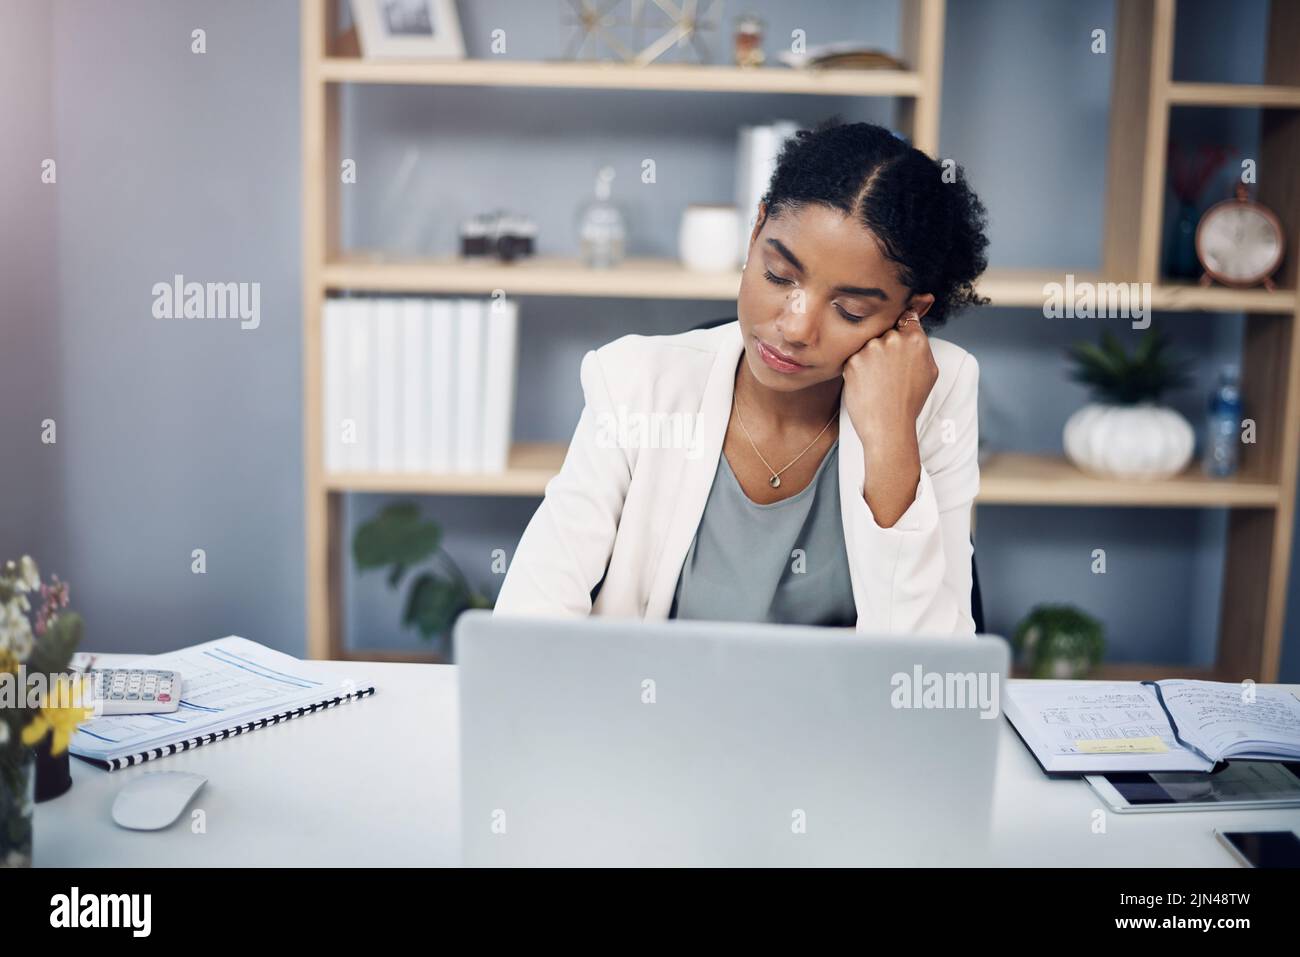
8	661
61	715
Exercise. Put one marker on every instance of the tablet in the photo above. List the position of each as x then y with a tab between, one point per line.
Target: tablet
1240	784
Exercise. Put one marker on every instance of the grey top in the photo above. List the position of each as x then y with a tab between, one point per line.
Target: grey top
741	564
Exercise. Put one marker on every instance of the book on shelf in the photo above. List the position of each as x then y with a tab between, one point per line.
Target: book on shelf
334	358
415	347
358	435
469	386
442	385
499	370
386	377
418	385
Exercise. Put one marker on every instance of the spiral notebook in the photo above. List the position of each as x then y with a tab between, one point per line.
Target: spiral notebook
231	686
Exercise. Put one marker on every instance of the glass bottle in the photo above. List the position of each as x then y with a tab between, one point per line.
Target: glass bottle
601	229
1222	435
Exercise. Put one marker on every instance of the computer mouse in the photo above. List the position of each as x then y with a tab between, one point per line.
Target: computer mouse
152	801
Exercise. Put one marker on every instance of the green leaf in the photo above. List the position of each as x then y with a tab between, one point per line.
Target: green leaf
1094	358
433	604
1117	377
1110	345
396	536
1149	348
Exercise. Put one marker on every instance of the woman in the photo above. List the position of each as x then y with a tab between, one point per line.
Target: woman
814	461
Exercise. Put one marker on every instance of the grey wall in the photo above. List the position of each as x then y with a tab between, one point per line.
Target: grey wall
173	434
178	435
30	472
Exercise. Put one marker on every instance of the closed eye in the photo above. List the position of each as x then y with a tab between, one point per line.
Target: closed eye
781	281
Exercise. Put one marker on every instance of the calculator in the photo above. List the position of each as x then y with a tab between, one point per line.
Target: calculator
136	690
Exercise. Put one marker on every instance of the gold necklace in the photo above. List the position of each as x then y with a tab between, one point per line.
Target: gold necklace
775	480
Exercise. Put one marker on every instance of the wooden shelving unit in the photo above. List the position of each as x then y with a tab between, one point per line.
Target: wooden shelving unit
329	60
1261	500
680	77
668	279
1232	94
1006	478
1144	93
534	276
1017	478
529	467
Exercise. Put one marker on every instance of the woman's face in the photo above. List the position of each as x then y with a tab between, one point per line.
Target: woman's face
816	288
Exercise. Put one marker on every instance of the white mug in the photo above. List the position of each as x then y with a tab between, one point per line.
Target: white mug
706	240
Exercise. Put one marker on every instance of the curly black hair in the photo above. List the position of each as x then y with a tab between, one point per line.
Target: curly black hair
932	229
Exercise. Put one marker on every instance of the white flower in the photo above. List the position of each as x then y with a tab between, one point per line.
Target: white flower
29	577
4	733
15	631
22	641
7	624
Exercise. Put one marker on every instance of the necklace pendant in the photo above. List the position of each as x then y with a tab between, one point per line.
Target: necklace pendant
774	481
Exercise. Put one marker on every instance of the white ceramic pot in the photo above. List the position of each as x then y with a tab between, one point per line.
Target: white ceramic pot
706	239
1143	441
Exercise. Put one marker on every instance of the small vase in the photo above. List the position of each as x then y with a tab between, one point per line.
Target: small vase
704	238
17	793
53	774
1142	441
1180	254
1066	667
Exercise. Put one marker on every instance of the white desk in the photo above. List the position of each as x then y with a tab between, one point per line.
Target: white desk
376	783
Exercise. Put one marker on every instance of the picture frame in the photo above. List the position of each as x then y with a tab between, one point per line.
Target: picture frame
408	29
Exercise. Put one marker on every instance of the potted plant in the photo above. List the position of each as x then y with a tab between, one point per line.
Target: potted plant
1059	641
1126	432
40	704
398	539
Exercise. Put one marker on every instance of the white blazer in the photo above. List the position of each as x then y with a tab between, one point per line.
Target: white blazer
628	499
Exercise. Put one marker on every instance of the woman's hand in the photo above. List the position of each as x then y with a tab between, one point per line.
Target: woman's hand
886	383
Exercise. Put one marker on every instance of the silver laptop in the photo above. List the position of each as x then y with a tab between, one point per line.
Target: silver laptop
604	741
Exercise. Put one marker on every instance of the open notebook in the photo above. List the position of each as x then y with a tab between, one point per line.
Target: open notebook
1177	724
231	686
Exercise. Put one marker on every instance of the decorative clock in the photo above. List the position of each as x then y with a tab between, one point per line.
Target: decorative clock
1240	243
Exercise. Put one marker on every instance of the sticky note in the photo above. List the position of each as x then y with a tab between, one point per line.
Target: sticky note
1151	745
